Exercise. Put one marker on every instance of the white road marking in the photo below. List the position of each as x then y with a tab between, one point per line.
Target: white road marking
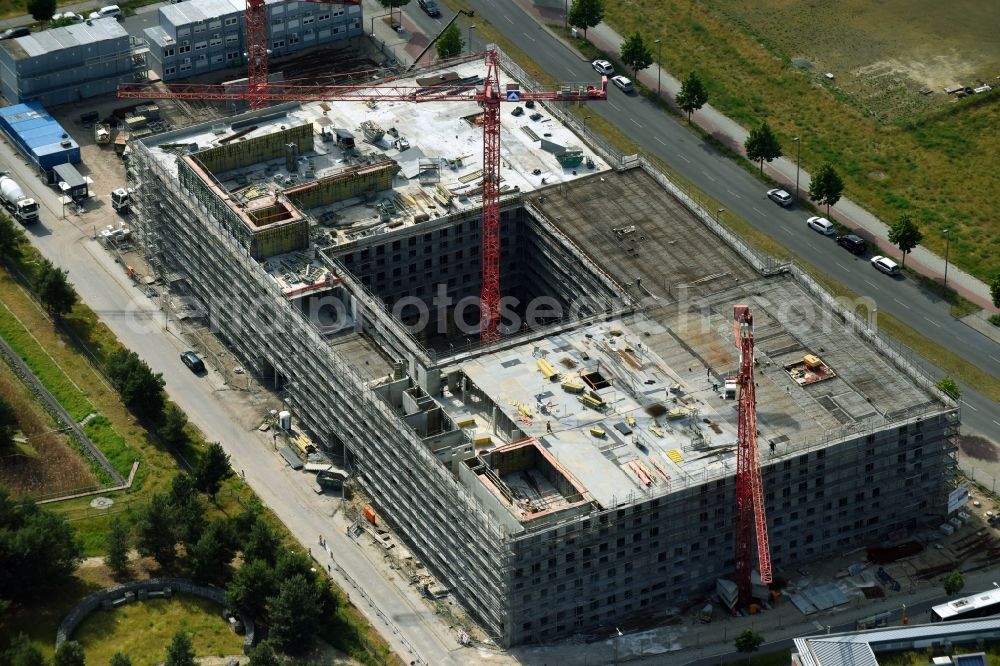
660	140
873	285
933	322
902	303
707	175
734	194
841	265
812	246
633	120
758	211
508	19
528	36
995	421
995	358
615	106
969	406
787	231
681	155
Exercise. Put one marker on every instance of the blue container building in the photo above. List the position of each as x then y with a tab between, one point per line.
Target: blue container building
39	136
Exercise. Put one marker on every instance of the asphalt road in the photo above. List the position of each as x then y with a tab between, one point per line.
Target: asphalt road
741	194
138	324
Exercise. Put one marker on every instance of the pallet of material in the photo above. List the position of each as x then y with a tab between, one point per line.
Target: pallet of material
591	401
597	432
573	387
676	413
467	422
674	455
547	369
482	440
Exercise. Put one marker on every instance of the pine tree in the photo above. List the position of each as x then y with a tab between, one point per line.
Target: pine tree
212	470
156	535
54	290
180	652
117	542
70	653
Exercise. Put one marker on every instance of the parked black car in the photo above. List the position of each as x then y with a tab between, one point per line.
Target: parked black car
192	361
11	33
429	6
853	244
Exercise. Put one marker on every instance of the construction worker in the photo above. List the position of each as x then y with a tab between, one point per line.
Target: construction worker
548	427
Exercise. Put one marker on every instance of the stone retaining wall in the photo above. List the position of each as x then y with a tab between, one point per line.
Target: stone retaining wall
139	589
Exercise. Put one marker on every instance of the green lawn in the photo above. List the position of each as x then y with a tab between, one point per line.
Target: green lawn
143	630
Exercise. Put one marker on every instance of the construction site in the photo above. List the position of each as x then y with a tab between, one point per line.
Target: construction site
578	471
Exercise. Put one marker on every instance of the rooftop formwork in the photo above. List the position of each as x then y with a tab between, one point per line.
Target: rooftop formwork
578	474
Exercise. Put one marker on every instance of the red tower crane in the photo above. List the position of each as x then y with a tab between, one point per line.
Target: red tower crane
749	488
260	92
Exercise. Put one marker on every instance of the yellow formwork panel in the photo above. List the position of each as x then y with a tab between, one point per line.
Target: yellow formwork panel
674	455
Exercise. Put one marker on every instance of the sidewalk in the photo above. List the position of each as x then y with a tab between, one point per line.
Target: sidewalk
783	169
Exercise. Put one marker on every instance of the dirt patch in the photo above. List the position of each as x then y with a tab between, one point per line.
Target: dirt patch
46	463
889	555
881	54
978	447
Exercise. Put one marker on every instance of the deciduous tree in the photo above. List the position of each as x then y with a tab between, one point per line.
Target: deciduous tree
692	95
953	583
394	4
118	542
180	652
212	470
450	44
54	290
635	53
906	235
950	387
749	641
995	290
762	145
586	14
826	187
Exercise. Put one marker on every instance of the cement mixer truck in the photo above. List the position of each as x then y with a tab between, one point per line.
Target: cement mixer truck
21	208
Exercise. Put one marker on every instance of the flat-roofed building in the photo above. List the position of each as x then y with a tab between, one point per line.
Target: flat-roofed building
68	64
201	36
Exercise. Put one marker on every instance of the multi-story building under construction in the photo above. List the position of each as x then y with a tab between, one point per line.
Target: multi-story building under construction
579	473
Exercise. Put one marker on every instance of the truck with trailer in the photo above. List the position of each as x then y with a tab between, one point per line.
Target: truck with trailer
21	208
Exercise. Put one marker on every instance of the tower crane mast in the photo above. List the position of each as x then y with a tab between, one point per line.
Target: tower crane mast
259	92
750	516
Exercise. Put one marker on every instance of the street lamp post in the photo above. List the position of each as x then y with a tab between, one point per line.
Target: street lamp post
585	119
947	249
565	14
659	48
471	28
618	633
798	152
718	214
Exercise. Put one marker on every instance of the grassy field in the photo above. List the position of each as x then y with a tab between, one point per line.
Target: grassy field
143	630
936	161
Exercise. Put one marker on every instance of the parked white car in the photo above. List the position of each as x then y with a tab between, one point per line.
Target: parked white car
886	265
111	11
822	225
603	67
780	197
623	82
68	17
